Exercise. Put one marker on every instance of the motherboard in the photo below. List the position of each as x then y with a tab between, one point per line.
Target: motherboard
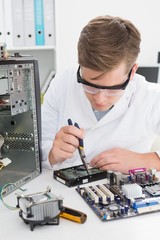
123	196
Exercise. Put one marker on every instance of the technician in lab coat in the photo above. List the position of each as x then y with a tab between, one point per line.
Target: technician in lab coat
117	110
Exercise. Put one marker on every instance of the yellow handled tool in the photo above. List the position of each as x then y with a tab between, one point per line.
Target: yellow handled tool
73	215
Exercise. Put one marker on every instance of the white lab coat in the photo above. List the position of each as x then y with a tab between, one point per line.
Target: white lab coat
132	123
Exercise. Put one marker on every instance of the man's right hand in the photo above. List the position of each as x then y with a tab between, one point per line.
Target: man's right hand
65	143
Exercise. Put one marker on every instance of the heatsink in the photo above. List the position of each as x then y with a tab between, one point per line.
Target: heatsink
132	190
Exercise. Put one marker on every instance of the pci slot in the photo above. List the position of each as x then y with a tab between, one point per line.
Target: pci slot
107	192
92	194
100	194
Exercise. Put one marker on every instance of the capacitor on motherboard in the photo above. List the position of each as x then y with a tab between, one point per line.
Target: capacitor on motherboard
115	214
122	210
118	200
113	207
126	208
108	199
110	176
128	201
115	197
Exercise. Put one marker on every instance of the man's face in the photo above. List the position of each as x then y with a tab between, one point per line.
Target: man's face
103	99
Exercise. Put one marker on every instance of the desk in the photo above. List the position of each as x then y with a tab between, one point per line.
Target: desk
12	226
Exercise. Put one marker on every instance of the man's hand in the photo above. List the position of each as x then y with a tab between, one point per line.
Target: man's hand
65	143
122	160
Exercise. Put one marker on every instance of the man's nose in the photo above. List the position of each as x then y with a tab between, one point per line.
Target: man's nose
100	96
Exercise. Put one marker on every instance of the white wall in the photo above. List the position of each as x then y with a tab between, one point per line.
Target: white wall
73	15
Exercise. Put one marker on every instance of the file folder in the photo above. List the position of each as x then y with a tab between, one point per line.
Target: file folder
49	23
39	22
18	23
2	36
8	23
29	23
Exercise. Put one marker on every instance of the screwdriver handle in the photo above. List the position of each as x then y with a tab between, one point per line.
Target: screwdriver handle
73	215
76	125
80	139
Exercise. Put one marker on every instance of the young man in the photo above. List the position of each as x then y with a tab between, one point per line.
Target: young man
118	110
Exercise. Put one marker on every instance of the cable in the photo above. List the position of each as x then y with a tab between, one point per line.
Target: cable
1	195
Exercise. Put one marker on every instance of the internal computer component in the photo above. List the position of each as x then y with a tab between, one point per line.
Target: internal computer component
77	175
42	208
20	122
123	196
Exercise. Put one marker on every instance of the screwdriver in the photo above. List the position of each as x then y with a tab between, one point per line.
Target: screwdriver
80	148
73	215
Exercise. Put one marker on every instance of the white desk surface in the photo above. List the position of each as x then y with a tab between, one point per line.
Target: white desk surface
12	226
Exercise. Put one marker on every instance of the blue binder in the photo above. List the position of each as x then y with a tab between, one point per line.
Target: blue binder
39	22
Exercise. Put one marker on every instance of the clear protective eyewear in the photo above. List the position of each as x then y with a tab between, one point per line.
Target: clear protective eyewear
116	90
106	92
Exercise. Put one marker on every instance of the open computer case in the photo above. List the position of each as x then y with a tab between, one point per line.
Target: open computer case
20	122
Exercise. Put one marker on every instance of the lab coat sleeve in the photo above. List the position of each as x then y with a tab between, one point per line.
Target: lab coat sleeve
49	116
154	108
52	113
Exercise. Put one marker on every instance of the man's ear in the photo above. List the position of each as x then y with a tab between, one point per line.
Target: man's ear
134	69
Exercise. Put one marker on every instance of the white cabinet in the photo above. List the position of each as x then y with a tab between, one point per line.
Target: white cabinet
31	25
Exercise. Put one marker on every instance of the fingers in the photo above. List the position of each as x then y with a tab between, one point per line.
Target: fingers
65	143
70	135
59	155
72	130
105	161
118	159
110	166
101	160
105	164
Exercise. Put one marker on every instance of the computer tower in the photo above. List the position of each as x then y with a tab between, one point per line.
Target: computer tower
20	122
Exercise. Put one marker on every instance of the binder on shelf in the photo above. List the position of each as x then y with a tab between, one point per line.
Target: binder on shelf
49	23
18	23
29	23
8	23
39	22
2	35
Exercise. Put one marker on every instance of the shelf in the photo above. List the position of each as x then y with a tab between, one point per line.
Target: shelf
44	54
31	48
